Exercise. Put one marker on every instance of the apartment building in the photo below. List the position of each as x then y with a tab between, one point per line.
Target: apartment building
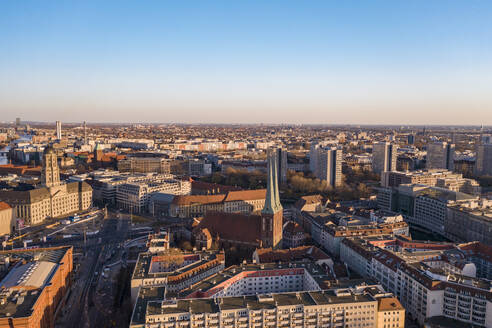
433	178
199	168
134	197
440	155
384	155
308	309
105	182
483	163
145	165
429	279
329	235
329	166
478	223
425	206
174	271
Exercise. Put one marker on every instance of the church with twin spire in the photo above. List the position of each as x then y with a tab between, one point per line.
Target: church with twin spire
246	231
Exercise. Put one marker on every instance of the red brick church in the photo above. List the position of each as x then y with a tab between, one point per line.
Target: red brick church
250	231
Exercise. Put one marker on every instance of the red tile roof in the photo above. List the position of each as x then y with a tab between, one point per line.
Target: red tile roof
198	199
4	206
245	195
307	200
233	226
20	169
213	199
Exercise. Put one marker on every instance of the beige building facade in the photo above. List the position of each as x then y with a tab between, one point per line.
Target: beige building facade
7	219
53	199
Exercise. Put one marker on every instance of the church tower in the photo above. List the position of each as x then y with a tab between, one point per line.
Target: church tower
50	175
272	213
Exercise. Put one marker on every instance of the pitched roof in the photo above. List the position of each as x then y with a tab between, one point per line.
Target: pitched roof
308	200
213	199
198	199
4	206
245	195
232	226
20	169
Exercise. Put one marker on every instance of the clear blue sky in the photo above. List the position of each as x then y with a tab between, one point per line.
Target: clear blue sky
405	62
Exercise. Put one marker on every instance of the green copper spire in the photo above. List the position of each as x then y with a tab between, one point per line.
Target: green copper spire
272	201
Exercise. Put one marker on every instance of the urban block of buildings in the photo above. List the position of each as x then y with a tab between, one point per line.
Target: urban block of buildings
250	231
33	283
268	295
53	199
174	269
433	178
430	279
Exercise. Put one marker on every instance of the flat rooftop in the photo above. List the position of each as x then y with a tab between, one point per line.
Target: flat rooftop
316	271
252	302
28	273
144	262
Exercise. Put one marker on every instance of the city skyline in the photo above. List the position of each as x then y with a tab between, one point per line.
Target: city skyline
378	63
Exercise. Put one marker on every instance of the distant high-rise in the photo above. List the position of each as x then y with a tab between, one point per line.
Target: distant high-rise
58	130
485	139
313	156
483	163
17	122
440	155
85	133
384	157
329	165
411	139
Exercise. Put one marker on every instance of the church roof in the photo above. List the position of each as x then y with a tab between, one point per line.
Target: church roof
232	226
220	198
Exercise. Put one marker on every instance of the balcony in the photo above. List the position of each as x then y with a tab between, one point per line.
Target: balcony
479	308
447	301
481	303
478	315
